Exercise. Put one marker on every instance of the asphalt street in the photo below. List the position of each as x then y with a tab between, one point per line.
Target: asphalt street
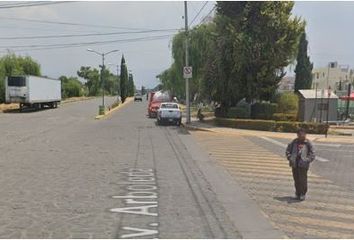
66	175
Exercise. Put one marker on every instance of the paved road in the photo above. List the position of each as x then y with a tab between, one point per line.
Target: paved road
259	166
66	175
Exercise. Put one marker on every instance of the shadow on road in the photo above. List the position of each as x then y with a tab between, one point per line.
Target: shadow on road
287	199
27	110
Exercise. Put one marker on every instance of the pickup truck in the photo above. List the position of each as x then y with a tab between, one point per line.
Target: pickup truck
169	112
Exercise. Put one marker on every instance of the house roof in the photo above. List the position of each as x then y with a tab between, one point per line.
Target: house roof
311	94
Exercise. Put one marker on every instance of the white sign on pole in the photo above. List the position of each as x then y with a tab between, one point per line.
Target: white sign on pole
187	72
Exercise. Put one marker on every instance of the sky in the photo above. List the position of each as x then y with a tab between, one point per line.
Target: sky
128	26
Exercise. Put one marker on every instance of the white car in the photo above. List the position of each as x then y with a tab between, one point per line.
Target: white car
169	112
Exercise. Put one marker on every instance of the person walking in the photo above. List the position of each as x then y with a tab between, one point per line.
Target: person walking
300	153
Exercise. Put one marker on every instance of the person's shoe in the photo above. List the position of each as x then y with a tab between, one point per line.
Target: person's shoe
297	196
302	197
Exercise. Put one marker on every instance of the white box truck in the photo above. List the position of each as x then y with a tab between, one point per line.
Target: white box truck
34	92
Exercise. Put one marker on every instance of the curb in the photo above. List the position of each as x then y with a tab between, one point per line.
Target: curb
194	128
128	100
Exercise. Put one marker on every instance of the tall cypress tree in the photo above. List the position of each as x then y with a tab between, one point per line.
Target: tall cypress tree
131	86
123	80
303	70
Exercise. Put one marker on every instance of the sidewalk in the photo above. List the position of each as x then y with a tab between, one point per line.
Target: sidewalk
200	126
256	187
248	218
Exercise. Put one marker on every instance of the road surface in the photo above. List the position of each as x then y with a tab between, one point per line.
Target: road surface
66	175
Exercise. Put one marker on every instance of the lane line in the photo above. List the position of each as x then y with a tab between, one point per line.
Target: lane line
318	158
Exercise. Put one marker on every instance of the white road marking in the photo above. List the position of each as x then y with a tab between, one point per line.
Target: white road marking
141	192
280	144
328	145
140	232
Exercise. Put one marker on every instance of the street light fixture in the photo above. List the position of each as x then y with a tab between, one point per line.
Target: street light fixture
102	78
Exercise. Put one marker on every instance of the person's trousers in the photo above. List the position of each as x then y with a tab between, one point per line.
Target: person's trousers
300	180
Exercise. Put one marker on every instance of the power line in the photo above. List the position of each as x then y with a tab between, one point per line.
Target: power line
70	23
210	12
32	4
87	34
200	10
67	45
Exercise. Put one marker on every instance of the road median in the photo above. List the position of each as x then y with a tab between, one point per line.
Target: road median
109	112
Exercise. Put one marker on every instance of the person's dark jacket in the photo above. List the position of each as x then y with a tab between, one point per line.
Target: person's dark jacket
306	156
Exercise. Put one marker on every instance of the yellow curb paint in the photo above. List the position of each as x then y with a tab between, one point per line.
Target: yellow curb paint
128	100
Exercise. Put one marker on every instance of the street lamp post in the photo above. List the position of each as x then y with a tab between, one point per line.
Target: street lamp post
102	72
328	97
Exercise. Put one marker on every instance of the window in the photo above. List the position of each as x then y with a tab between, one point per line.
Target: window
169	105
16	81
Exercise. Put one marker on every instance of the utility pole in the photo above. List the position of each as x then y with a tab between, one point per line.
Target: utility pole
348	100
102	107
329	91
188	113
102	79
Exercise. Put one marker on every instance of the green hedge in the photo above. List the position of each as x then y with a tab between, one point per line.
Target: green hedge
239	112
270	125
263	110
285	117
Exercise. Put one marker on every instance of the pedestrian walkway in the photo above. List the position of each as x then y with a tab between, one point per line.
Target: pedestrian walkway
327	213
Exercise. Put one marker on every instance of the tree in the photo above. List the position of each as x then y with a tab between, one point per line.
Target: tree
123	80
92	77
303	69
71	87
143	90
265	37
131	86
241	54
16	65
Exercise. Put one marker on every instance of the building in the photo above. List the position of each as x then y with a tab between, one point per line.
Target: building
287	83
335	76
313	106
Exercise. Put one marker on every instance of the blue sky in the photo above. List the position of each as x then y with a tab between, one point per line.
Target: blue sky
329	28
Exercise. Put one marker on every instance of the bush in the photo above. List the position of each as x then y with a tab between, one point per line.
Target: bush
263	110
270	125
71	87
287	103
242	111
285	116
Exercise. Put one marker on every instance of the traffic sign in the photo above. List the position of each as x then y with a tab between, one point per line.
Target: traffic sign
187	72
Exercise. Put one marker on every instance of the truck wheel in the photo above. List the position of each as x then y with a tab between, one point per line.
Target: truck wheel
37	106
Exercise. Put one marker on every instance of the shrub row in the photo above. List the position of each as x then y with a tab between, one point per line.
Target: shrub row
239	112
263	110
270	125
285	117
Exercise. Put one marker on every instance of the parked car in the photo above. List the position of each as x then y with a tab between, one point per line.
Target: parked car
138	97
155	100
169	112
